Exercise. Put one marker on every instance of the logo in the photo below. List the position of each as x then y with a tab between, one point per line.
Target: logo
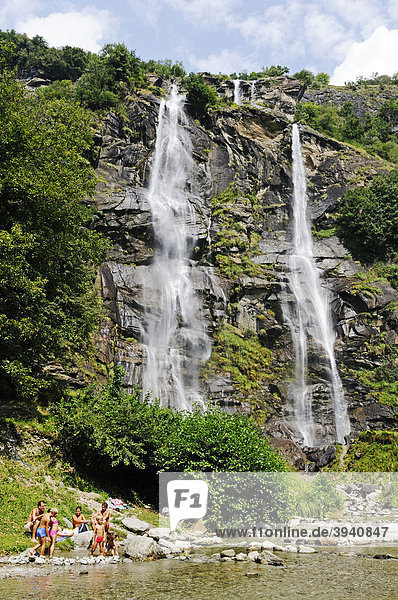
187	499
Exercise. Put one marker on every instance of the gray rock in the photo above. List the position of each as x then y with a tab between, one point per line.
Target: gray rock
134	524
158	532
241	556
270	559
230	552
254	556
170	546
139	547
82	539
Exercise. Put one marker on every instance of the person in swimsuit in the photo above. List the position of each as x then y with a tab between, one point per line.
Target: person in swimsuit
105	515
111	543
99	534
42	533
55	531
35	516
79	521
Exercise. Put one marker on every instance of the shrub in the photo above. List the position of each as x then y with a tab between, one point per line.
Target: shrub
369	218
106	428
200	96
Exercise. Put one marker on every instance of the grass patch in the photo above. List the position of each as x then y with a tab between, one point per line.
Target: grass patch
242	356
373	451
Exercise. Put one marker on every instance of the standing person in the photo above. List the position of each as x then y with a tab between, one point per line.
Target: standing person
99	534
55	531
105	515
35	516
79	521
42	533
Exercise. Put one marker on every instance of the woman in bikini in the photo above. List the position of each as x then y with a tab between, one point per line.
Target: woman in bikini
55	531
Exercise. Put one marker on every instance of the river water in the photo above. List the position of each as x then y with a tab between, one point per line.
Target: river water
322	576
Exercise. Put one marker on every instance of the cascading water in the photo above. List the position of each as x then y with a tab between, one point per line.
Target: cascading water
310	314
174	334
252	91
237	96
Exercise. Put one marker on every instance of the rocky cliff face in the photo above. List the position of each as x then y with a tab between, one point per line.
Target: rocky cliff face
240	234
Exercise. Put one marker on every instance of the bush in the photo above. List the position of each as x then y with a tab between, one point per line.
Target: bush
200	96
107	428
368	218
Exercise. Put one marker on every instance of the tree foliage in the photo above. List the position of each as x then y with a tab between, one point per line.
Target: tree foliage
108	428
377	134
369	218
47	304
200	96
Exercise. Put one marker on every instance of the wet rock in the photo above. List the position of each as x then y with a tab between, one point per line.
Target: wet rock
158	532
270	559
134	524
230	552
138	547
82	539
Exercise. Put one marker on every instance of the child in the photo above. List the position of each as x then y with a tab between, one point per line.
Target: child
99	533
111	543
55	531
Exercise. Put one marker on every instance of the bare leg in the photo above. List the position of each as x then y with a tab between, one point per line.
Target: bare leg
93	548
34	529
52	545
33	550
43	542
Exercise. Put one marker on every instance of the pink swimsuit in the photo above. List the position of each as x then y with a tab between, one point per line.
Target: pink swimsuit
54	531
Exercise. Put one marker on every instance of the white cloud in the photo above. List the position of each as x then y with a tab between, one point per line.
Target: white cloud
205	13
12	9
86	28
149	10
225	62
377	54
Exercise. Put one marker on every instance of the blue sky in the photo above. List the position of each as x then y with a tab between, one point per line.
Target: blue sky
345	38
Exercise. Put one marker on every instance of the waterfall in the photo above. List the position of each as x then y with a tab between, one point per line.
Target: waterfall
237	97
310	314
174	335
252	90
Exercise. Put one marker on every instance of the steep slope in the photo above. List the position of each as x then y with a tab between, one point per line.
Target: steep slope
240	234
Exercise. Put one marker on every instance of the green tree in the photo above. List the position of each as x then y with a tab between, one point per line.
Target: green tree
94	87
106	428
48	307
305	76
200	96
369	218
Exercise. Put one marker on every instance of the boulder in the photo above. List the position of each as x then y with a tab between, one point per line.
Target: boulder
138	547
170	546
270	559
82	539
230	552
158	532
134	524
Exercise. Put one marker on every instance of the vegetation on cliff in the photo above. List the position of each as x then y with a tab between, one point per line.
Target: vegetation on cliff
377	134
48	307
368	219
105	429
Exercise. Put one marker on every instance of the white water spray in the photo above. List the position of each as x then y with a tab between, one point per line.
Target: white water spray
237	96
252	91
174	335
310	314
